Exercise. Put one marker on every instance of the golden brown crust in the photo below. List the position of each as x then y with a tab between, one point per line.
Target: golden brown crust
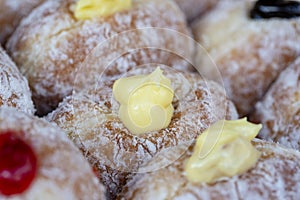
50	44
250	54
63	173
91	121
11	13
14	89
275	176
279	110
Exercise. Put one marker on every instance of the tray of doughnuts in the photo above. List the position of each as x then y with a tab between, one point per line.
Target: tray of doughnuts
149	99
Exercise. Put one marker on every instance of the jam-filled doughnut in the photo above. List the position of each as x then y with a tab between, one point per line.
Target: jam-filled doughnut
11	13
14	89
251	43
55	38
194	8
275	175
38	161
105	129
279	110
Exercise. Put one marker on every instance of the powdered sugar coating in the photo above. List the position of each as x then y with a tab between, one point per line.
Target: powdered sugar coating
63	173
275	176
11	13
50	43
14	89
250	53
279	110
91	121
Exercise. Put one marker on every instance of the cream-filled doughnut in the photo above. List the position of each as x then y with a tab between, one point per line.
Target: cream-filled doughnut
99	126
51	43
14	89
279	110
251	42
274	174
38	161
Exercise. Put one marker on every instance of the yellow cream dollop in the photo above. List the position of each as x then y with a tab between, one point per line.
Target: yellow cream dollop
145	101
223	150
87	9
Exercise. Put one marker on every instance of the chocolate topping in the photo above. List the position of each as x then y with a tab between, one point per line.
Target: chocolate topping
265	9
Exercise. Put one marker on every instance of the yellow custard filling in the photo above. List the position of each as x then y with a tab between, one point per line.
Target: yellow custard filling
87	9
223	150
145	101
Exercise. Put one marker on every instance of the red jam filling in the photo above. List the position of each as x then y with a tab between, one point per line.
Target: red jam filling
18	164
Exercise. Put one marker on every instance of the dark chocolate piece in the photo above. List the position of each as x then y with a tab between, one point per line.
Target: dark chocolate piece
265	9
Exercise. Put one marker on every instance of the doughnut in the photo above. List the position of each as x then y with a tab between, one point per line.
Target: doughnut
194	8
251	44
11	13
274	176
14	89
92	120
279	110
51	43
39	162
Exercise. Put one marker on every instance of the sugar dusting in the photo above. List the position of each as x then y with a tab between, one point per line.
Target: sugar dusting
11	13
50	44
14	89
114	150
279	110
275	176
250	54
62	173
